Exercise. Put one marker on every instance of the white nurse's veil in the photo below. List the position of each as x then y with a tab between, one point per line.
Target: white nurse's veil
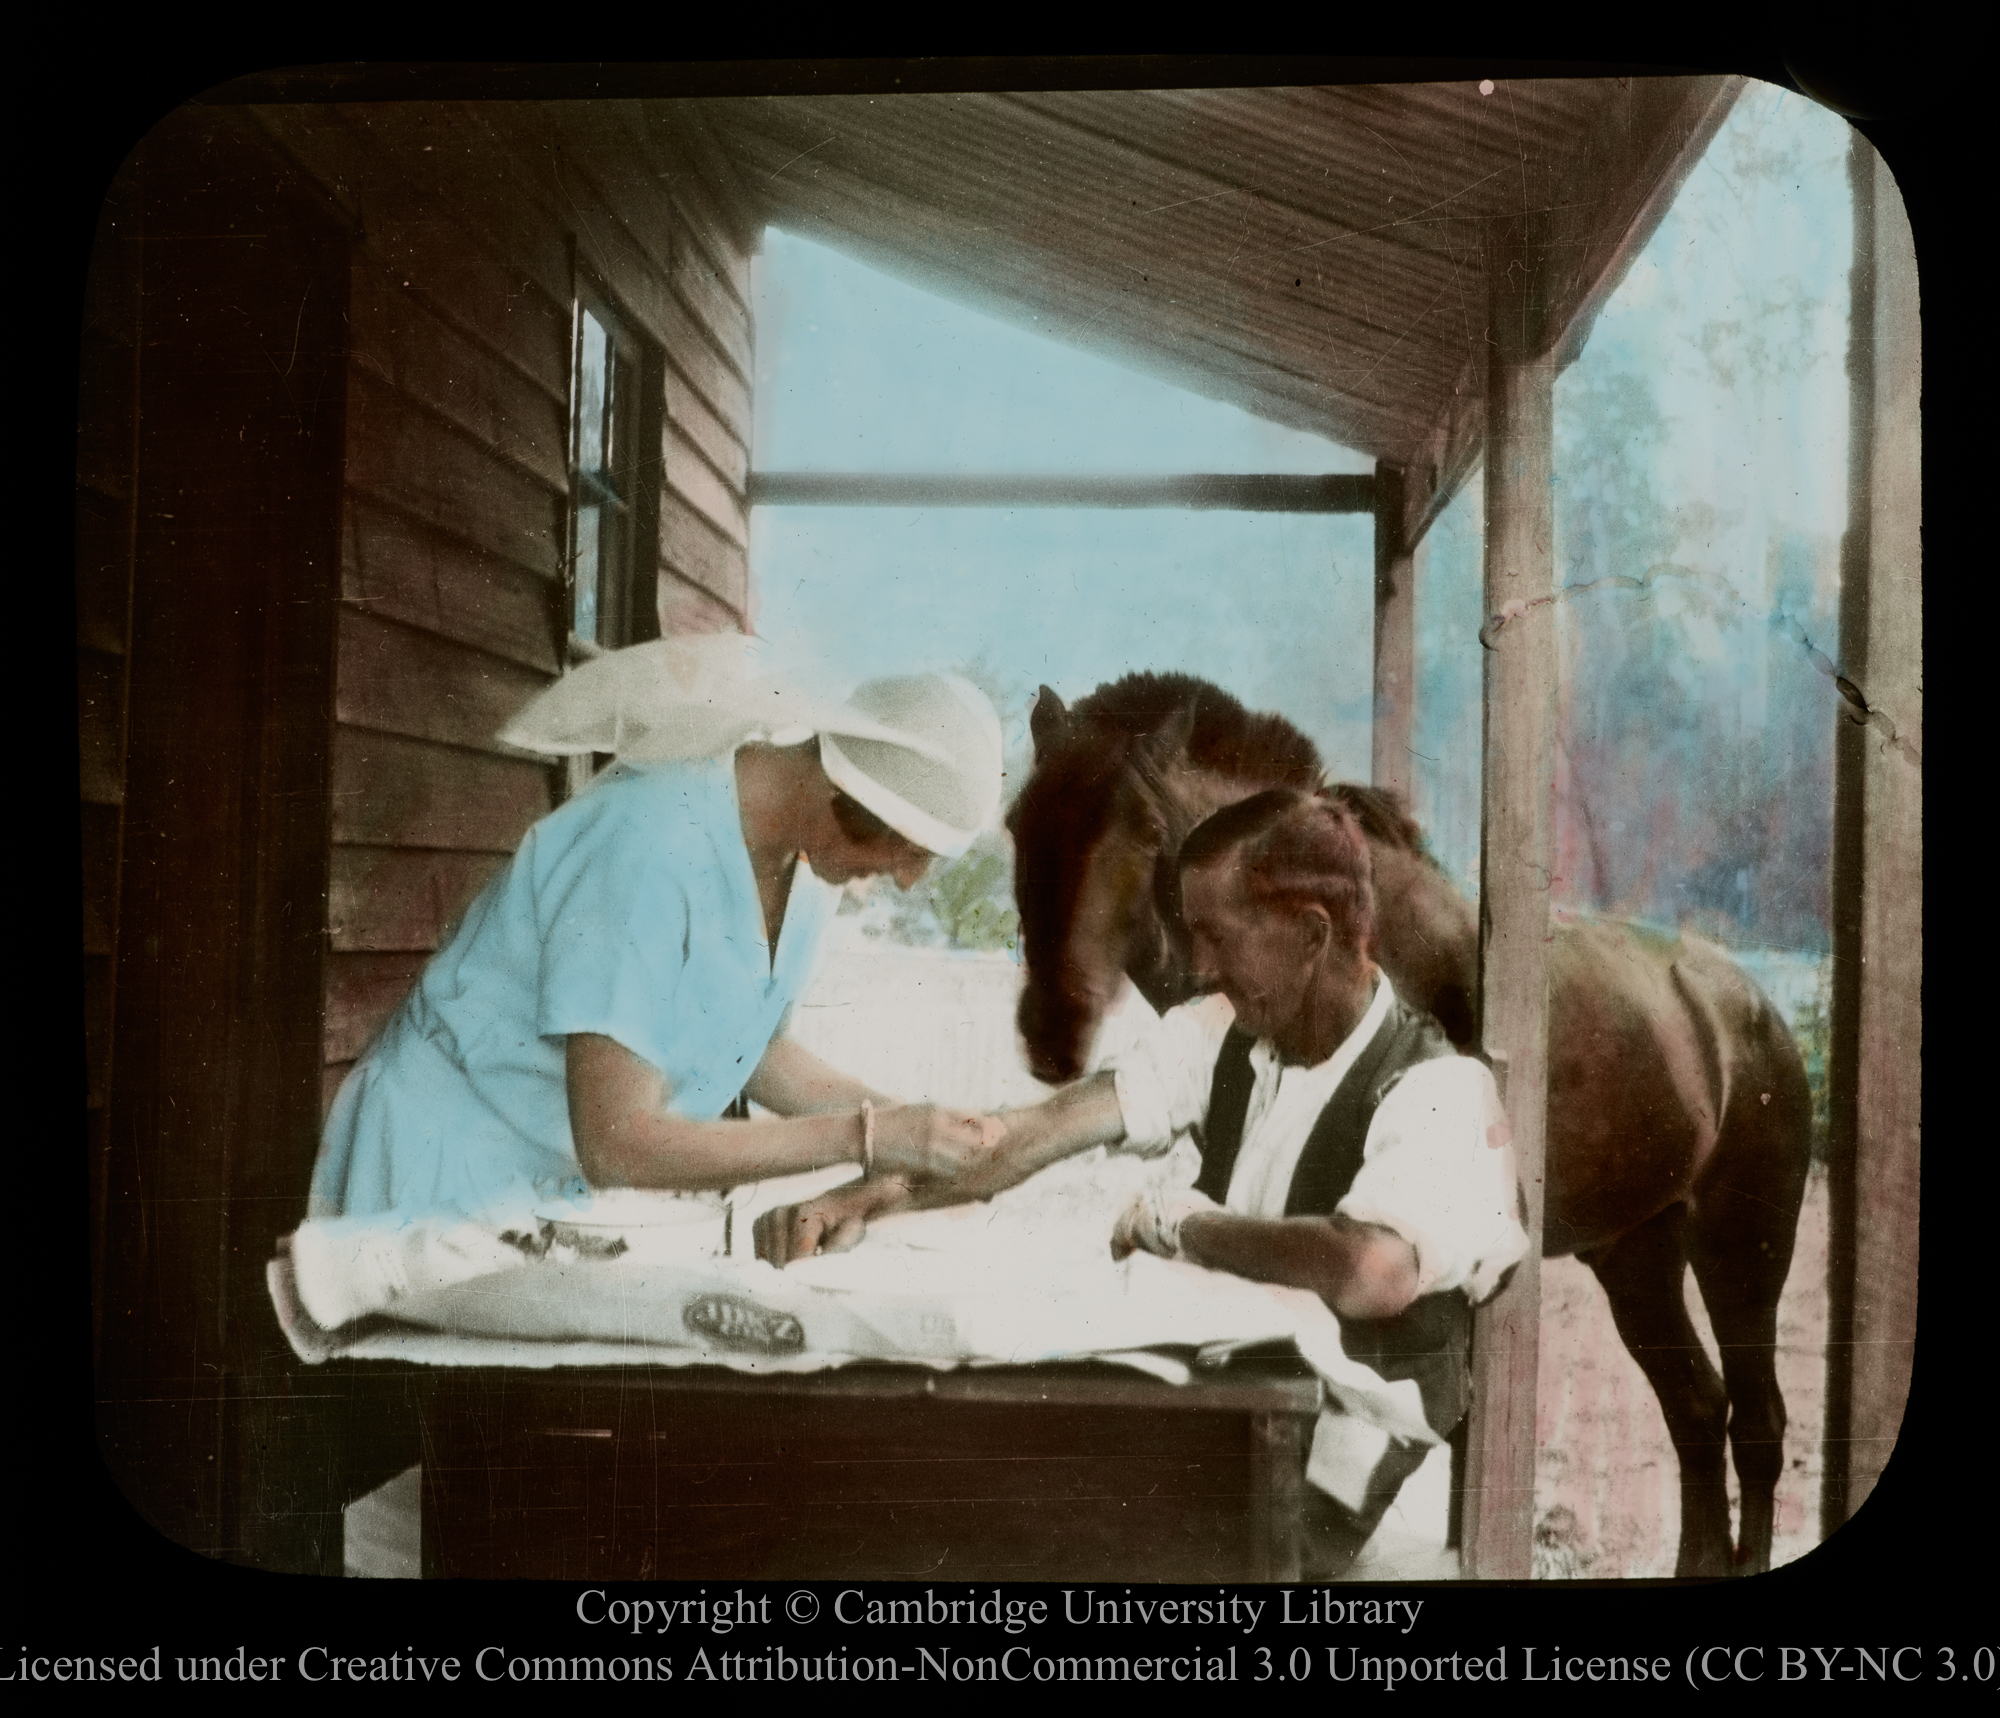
921	751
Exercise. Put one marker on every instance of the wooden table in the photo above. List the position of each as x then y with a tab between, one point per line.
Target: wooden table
1078	1471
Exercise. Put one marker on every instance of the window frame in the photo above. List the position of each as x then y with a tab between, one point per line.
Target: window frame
625	489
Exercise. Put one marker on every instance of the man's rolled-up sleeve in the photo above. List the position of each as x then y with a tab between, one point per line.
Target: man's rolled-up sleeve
1164	1074
1438	1169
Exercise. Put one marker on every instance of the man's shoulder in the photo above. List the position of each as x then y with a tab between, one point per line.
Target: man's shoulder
1437	1079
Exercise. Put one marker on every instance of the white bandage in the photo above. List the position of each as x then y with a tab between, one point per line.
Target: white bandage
1153	1220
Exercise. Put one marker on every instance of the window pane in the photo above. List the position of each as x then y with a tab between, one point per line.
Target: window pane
621	424
614	566
587	572
592	381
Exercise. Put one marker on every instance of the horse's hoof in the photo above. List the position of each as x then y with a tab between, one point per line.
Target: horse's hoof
1710	1563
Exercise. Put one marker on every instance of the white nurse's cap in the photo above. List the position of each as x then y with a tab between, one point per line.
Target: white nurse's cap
928	762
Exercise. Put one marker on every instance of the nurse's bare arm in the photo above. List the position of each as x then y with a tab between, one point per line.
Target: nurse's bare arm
792	1081
625	1136
1072	1120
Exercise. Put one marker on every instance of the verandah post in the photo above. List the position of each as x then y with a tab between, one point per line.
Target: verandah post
1514	857
1875	1061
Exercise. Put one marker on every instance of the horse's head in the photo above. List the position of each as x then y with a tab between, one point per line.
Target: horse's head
1095	831
1117	785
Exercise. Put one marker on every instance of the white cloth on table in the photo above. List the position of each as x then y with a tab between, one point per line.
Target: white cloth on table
1024	1278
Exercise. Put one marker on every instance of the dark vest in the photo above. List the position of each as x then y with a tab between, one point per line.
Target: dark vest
1428	1341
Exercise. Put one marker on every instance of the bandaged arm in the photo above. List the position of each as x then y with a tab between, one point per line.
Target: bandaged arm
1153	1089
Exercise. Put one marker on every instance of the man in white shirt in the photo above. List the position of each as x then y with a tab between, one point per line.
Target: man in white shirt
1346	1148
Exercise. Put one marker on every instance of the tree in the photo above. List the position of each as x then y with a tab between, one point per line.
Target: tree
1695	741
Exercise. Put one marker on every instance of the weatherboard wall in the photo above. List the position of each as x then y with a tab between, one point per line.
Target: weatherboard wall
474	225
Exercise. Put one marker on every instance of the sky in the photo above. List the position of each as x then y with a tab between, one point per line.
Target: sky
1709	409
858	372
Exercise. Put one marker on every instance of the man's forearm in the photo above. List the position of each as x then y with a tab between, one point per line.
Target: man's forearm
1073	1120
1358	1269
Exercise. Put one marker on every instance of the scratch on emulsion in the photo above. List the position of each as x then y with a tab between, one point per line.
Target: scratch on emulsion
1859	710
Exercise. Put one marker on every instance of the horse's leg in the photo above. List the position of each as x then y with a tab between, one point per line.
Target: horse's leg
1643	1273
1746	1216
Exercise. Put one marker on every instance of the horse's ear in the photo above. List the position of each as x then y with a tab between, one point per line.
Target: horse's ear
1048	720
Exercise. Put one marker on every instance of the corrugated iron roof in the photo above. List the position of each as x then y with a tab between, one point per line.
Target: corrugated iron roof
1314	255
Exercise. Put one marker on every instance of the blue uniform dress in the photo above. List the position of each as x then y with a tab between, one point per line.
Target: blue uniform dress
631	912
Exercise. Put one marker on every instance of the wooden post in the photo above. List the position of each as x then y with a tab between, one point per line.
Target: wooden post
1514	854
1395	637
1876	1053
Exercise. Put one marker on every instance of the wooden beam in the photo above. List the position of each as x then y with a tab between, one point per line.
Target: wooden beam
1514	852
212	1115
1875	1064
1448	456
1335	492
1395	637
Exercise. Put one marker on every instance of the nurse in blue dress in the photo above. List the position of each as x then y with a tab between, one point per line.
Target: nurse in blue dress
628	974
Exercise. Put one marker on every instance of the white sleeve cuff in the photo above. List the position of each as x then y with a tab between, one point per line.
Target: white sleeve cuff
1149	1127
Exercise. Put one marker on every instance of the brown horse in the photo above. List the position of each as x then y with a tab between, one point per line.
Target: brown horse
1679	1114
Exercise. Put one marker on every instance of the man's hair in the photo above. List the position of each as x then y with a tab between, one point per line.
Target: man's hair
1298	850
858	823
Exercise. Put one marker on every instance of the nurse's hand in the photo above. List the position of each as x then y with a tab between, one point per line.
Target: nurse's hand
931	1143
832	1223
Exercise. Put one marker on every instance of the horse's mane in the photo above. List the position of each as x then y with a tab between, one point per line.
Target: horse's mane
1225	737
1384	815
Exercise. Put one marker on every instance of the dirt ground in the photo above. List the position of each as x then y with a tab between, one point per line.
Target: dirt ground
1607	1497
